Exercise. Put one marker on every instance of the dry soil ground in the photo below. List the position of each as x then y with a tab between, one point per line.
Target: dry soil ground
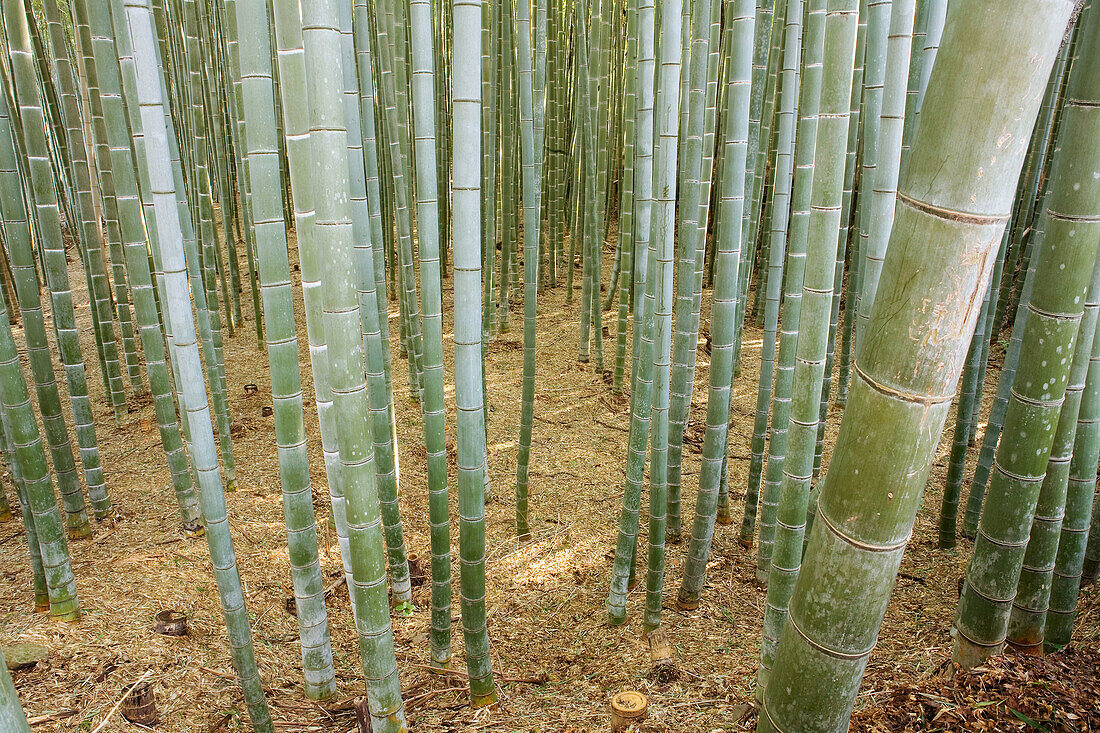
545	597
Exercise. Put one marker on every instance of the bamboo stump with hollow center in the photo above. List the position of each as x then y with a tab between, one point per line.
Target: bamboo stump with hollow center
627	708
139	705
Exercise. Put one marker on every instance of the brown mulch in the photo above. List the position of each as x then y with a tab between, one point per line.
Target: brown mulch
558	662
1060	692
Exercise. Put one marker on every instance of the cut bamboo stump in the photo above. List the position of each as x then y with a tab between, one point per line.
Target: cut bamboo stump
171	623
662	664
627	709
139	705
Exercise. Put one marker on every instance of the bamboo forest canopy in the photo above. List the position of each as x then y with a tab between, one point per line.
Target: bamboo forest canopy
784	242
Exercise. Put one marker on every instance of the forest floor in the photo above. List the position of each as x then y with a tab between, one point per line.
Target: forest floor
557	659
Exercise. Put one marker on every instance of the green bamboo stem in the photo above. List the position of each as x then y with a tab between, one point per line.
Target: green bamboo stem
874	87
910	358
262	160
1027	620
424	122
42	187
41	503
133	242
1030	191
641	393
664	206
532	192
290	58
741	16
206	246
13	213
1066	584
395	121
797	243
780	217
848	250
1065	260
333	225
109	196
883	181
90	235
691	241
937	14
831	139
379	390
626	202
38	572
184	341
466	98
367	95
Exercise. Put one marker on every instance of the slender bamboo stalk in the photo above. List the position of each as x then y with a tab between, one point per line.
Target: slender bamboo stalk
333	225
134	246
780	217
43	189
424	122
261	151
532	192
466	141
191	382
664	206
641	393
741	15
691	241
41	502
1027	621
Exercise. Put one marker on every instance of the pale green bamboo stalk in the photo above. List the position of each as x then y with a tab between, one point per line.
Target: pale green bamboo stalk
778	224
262	160
290	58
664	221
90	235
532	192
690	254
427	177
41	503
38	572
466	98
815	311
109	198
379	392
641	393
1027	621
133	240
333	226
741	15
184	341
887	151
874	81
203	264
1068	566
